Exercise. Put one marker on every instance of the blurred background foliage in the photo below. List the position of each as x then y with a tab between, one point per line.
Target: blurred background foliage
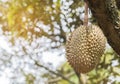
33	34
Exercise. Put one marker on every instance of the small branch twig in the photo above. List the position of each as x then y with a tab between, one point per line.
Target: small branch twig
59	78
53	72
78	75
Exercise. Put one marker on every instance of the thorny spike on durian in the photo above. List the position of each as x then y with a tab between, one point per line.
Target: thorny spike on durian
85	47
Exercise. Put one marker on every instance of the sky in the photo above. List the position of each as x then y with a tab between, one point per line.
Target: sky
48	57
3	76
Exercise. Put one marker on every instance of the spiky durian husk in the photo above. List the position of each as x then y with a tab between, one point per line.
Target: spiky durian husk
85	47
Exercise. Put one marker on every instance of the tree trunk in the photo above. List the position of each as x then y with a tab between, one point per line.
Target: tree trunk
106	14
118	4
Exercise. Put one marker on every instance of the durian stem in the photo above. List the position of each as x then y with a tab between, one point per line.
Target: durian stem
86	14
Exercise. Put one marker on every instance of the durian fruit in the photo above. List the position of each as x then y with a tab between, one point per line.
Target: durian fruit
84	48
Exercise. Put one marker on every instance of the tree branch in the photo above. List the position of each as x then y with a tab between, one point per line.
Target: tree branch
59	78
106	14
51	71
55	73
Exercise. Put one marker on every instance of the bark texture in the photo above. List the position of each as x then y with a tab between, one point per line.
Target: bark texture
118	4
106	14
